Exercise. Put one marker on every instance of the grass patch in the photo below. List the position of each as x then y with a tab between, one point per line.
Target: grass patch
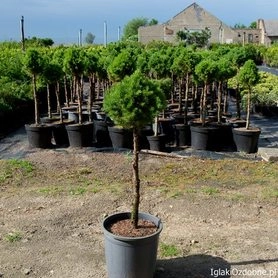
13	237
77	191
270	193
233	179
169	250
207	190
15	170
236	196
51	190
22	165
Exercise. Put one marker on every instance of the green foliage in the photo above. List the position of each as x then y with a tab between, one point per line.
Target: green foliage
239	26
197	38
253	25
39	42
89	39
34	61
92	60
266	91
206	70
153	21
239	55
122	65
14	82
160	61
135	101
131	28
52	72
271	56
74	61
185	61
225	69
130	31
248	74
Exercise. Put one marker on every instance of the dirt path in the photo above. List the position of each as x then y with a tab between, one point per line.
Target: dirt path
57	228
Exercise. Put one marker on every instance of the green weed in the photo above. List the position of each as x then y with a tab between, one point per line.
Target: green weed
169	250
78	191
270	193
13	237
50	190
208	190
22	165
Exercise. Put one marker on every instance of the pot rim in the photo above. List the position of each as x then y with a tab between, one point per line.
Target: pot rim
126	215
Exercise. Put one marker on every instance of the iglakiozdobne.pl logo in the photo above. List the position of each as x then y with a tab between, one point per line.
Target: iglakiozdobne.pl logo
243	272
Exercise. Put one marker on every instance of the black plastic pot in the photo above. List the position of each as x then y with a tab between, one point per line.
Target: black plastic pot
183	135
60	134
120	137
143	140
224	140
157	143
39	136
166	126
130	257
80	135
101	134
203	137
246	140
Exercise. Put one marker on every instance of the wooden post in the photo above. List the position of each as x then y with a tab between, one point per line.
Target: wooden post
22	33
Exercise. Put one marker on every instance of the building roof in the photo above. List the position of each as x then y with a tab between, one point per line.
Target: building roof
271	27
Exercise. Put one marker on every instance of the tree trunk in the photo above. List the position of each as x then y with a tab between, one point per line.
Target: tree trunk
219	100
136	180
180	95
48	101
91	96
204	104
36	101
225	99
238	114
79	98
66	91
57	94
248	108
186	99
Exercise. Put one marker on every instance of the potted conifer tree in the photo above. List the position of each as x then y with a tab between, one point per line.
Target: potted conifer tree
202	134
81	133
133	103
246	138
39	135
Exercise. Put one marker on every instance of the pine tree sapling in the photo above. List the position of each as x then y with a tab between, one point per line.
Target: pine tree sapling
34	65
249	77
133	103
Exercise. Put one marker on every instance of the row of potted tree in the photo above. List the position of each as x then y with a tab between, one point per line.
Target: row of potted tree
190	79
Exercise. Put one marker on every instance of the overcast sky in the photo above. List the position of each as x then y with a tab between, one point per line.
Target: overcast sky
61	20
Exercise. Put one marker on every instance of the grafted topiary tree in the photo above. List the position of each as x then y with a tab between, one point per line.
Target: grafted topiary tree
34	65
249	77
133	103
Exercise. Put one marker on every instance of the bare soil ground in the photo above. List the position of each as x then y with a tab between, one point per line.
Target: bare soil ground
216	214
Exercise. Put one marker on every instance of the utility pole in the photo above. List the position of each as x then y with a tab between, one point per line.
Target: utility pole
105	33
119	33
22	33
80	37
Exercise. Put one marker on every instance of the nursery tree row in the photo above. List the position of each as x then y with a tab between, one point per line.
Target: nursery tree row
60	71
